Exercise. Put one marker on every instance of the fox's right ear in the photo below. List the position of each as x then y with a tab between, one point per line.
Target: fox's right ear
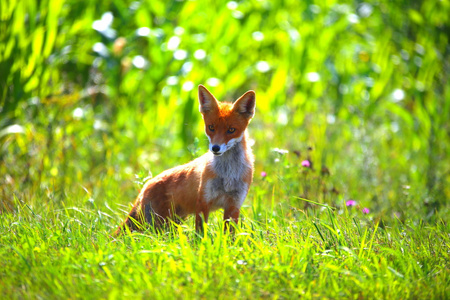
246	104
206	100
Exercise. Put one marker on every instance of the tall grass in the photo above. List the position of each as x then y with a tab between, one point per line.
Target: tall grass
69	253
103	89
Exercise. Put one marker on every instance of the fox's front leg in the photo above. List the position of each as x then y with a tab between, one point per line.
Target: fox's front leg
202	213
231	213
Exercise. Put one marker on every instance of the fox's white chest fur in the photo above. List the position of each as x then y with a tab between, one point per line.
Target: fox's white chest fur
228	185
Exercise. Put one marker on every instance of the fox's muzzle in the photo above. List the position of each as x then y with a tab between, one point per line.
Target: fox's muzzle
217	149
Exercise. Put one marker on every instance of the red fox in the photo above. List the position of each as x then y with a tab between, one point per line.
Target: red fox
218	179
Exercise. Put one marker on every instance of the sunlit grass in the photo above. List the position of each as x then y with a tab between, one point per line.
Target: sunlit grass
70	253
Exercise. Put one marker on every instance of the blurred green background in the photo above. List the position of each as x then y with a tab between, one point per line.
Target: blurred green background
93	93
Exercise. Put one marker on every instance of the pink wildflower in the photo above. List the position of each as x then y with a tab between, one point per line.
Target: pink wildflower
306	163
263	174
350	203
365	210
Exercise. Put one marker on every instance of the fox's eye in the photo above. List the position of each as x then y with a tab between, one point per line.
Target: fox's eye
211	127
231	130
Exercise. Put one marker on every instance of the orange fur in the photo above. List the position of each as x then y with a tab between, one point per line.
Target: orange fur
218	179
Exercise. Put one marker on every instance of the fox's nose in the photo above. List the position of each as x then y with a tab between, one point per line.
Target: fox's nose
215	148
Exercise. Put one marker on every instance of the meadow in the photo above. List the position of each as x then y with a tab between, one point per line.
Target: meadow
351	141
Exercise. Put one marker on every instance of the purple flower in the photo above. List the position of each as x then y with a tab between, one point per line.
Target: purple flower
365	210
350	203
263	174
306	163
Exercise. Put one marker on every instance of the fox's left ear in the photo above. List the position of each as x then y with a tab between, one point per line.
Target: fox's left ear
206	100
246	104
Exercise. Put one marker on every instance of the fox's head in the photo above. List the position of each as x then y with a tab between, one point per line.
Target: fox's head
225	123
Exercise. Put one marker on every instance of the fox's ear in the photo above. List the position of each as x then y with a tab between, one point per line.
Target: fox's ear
246	104
206	100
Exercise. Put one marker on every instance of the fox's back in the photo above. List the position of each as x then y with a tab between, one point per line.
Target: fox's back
175	188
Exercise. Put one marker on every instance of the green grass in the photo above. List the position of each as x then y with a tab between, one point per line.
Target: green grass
69	253
359	89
